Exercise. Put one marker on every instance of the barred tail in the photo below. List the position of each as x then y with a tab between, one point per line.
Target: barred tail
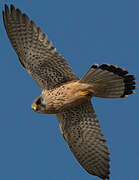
109	81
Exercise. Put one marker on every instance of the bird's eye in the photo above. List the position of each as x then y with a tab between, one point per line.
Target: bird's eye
38	101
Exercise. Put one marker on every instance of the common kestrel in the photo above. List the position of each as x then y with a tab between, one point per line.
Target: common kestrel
64	94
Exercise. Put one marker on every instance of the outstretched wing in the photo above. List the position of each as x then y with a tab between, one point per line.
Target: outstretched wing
81	130
35	51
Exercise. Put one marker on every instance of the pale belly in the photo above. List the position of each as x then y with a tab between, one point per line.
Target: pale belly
65	96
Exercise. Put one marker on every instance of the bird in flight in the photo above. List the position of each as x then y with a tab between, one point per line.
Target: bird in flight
64	94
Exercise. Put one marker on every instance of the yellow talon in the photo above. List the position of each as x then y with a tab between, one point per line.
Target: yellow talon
84	93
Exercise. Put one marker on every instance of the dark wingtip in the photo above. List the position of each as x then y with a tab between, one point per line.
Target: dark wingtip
105	66
3	13
12	7
130	85
116	70
6	7
95	66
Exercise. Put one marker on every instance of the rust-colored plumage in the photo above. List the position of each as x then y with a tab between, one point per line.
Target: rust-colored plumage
64	94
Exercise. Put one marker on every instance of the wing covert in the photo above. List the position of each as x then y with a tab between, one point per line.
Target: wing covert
35	51
81	130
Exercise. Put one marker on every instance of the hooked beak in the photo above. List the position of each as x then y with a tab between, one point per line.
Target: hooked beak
34	107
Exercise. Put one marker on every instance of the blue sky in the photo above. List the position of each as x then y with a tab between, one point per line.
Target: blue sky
84	32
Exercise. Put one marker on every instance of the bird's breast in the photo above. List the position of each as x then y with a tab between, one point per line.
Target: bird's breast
63	97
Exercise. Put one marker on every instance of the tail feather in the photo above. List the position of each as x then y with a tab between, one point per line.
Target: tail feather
106	76
113	82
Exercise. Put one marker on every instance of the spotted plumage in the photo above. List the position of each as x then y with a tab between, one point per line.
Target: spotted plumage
64	94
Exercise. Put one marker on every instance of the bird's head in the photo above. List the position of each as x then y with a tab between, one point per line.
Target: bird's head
42	105
38	105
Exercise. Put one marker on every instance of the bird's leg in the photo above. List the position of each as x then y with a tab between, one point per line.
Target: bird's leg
84	93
